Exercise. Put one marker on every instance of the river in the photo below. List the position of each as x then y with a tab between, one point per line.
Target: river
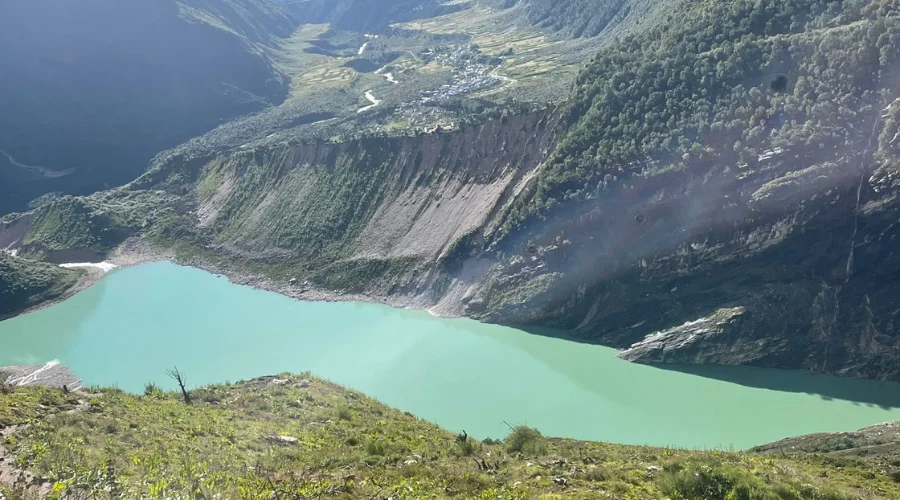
134	324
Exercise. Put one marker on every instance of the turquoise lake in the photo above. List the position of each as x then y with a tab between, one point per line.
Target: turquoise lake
130	327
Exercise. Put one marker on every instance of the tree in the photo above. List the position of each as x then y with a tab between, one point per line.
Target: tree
179	377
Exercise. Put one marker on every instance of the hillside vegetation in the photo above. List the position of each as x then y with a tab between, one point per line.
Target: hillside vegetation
25	283
93	89
725	83
301	437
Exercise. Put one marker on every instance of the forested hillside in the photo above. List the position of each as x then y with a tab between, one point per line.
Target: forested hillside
730	81
91	90
24	283
735	164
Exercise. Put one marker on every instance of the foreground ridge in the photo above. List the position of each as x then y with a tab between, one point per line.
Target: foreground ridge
296	436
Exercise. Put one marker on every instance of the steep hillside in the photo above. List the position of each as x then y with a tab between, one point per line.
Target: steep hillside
720	188
724	194
301	437
93	89
25	283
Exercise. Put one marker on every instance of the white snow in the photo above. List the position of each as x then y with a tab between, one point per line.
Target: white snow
103	266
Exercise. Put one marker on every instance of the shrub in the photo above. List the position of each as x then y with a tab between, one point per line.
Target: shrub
524	439
344	413
467	447
151	389
376	448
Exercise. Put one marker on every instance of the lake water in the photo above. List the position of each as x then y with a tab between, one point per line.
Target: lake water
137	322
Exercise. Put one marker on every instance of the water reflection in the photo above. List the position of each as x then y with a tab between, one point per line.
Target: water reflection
885	395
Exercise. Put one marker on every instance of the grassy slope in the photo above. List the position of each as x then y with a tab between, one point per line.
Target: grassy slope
350	446
24	283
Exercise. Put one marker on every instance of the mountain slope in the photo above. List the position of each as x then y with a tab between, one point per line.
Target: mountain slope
92	90
25	283
736	168
298	437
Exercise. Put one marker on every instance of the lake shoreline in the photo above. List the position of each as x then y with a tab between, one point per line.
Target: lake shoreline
136	251
89	277
122	332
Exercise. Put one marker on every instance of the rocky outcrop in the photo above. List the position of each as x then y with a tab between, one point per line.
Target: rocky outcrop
878	443
679	342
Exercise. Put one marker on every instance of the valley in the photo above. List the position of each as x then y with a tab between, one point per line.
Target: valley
549	195
621	214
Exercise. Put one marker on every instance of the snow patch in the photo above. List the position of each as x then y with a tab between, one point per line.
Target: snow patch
103	266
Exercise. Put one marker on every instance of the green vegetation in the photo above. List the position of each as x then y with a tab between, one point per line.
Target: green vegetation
98	223
719	84
24	283
301	437
70	223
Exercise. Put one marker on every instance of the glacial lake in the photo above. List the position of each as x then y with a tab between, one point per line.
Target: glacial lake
130	327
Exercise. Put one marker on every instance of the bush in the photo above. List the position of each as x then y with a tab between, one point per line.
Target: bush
344	413
376	448
151	389
703	483
524	439
467	447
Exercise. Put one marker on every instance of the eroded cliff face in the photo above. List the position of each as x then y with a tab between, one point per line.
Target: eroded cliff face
789	261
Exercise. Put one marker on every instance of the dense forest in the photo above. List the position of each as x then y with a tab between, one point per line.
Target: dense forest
723	84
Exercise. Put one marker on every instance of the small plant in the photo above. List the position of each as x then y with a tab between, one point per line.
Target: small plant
524	439
151	389
344	413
